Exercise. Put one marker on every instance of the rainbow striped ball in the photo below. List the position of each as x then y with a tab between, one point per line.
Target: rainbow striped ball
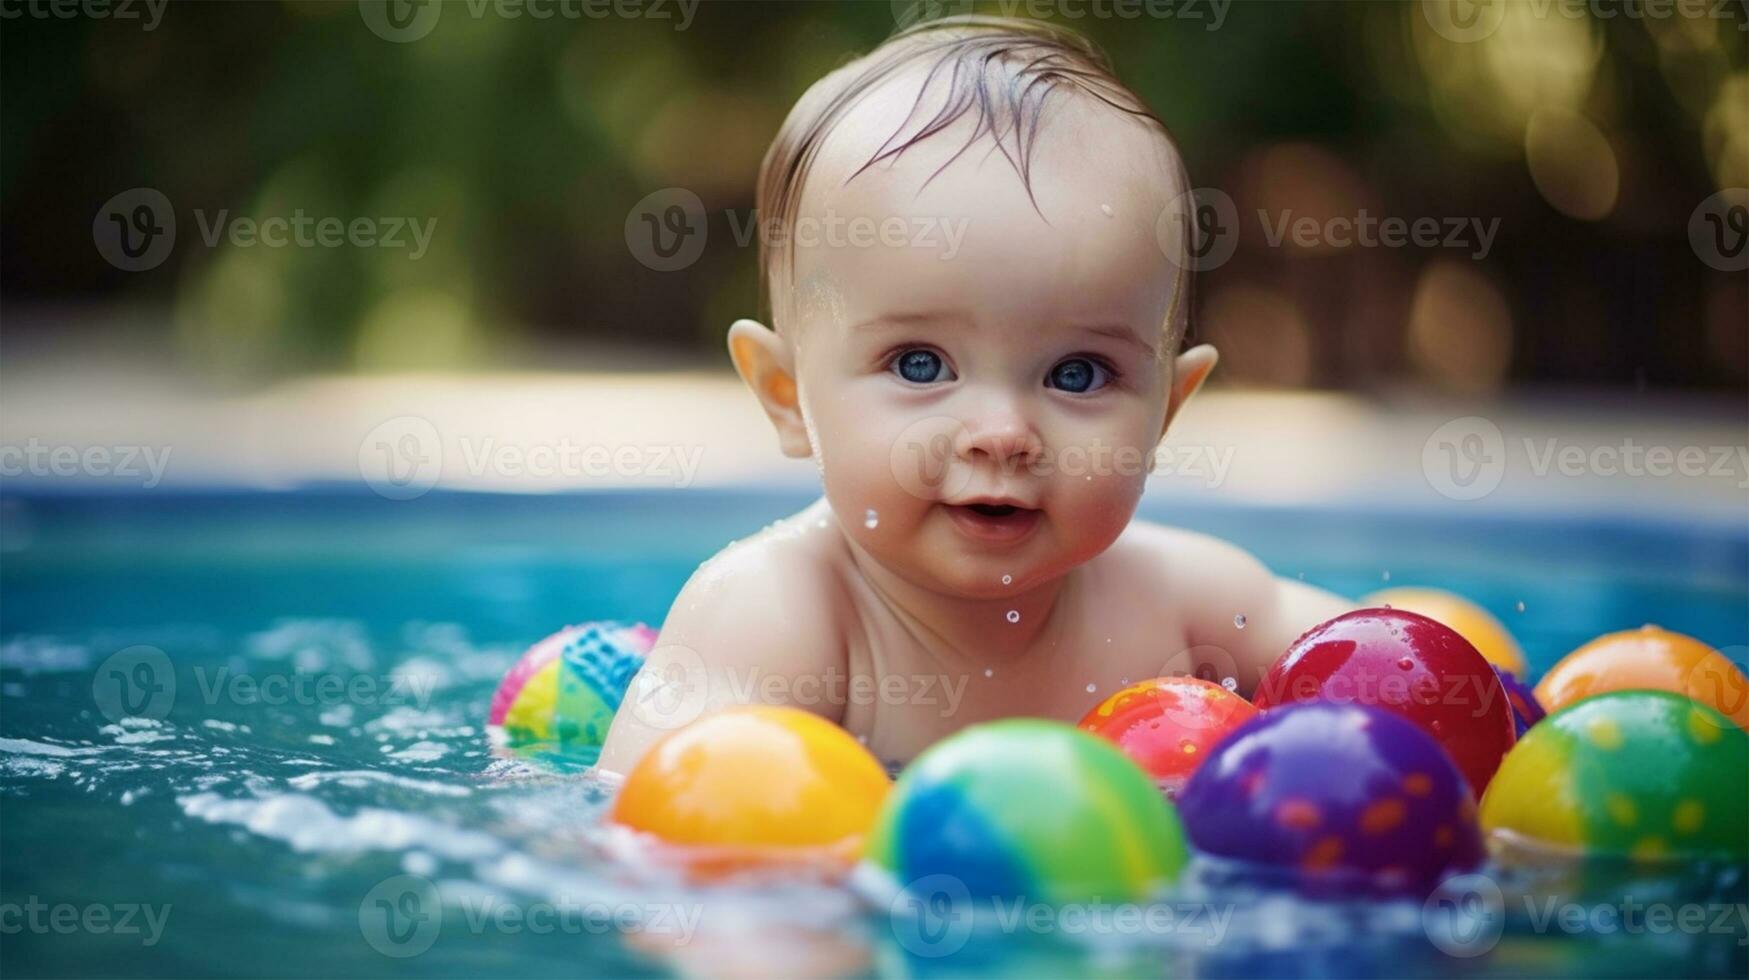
567	687
1640	774
1030	809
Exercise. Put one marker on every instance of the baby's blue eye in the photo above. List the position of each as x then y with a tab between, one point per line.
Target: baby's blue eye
1078	375
922	367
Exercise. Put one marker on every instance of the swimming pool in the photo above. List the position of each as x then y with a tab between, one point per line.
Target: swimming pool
314	756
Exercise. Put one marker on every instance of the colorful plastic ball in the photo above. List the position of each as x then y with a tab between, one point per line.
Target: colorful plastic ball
1410	664
1525	709
755	785
1648	659
1644	774
567	687
1030	809
1168	725
1340	796
1487	634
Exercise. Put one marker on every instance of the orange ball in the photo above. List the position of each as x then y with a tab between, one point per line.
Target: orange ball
1488	635
755	785
1648	659
1168	725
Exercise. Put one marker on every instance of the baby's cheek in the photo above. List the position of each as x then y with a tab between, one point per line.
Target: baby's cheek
1092	505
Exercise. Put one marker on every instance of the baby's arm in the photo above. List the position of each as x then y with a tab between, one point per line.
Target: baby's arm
747	627
1221	582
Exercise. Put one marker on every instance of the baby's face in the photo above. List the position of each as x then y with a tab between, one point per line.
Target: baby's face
984	397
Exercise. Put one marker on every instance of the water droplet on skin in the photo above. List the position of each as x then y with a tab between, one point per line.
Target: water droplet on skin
1107	209
1091	688
1239	621
1521	605
989	672
1013	615
1007	580
871	520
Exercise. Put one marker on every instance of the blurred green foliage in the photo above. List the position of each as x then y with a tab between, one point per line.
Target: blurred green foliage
528	140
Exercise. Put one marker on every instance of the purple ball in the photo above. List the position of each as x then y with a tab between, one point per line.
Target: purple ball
1342	797
1525	709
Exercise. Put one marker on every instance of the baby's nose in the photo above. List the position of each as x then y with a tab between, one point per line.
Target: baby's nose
1002	437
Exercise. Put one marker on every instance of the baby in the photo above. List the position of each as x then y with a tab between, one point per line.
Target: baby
982	403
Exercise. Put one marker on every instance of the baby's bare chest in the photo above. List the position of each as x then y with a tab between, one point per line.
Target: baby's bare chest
907	696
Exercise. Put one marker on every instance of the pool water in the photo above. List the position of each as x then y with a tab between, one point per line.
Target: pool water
300	782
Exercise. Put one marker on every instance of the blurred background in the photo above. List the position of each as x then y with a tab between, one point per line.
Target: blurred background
1583	165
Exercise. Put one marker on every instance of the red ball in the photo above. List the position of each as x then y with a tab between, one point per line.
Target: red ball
1168	725
1409	664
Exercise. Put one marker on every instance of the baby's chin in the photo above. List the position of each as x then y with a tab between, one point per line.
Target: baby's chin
951	554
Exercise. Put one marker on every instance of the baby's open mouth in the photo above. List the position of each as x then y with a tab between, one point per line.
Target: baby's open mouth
993	522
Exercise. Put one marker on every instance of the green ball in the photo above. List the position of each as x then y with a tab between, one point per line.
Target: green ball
1033	809
1641	774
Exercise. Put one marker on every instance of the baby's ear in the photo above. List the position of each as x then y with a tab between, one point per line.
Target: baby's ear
1188	373
767	364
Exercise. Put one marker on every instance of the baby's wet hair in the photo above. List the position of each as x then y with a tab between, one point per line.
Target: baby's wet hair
999	71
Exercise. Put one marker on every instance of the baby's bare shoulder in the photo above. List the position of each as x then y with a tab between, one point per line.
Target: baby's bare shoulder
1180	559
775	596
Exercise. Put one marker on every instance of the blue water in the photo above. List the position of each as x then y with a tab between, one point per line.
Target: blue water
316	795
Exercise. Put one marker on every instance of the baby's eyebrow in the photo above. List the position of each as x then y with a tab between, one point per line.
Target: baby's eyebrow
890	321
1118	331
